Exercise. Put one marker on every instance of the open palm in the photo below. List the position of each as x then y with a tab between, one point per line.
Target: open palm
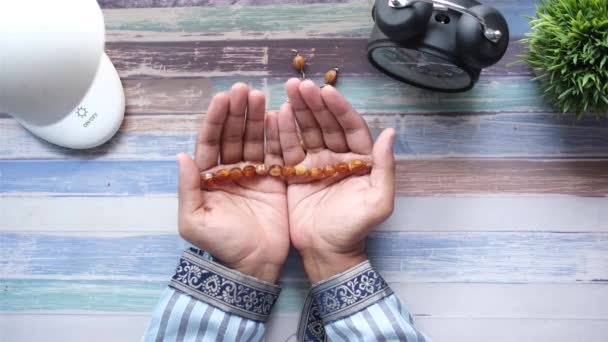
243	223
334	215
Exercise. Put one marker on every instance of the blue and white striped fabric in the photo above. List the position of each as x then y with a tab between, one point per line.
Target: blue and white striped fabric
180	317
207	302
383	321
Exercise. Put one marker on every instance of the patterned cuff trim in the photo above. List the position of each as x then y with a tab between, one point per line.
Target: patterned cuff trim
224	288
349	292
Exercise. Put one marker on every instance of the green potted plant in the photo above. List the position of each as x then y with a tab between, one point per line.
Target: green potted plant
568	50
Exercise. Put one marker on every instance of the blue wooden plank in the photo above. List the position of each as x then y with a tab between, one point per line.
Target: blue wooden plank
438	257
424	177
414	177
89	177
514	135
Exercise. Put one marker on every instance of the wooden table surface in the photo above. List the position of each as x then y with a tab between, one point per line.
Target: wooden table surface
500	231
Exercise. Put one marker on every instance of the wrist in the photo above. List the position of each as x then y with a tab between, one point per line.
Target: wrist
265	272
320	265
209	281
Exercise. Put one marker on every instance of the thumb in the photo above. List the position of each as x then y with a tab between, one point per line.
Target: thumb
189	188
382	177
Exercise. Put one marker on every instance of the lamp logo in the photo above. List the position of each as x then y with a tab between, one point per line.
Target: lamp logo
82	113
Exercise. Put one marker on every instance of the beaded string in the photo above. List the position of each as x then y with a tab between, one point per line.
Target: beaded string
251	170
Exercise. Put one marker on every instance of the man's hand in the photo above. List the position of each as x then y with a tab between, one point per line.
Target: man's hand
329	219
243	224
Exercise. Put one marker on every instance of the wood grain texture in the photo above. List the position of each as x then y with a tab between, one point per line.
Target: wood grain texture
127	328
583	301
414	177
493	257
369	94
192	3
500	232
490	300
280	21
502	135
434	177
131	215
264	58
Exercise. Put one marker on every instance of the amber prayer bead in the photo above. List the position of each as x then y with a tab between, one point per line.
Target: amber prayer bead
289	171
250	171
275	170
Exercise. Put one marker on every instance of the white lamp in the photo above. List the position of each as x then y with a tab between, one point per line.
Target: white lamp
55	78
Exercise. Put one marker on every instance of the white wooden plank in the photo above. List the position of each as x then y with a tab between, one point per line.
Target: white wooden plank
128	328
72	328
95	215
509	330
516	301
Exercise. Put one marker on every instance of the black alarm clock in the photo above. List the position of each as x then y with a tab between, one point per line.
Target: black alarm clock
436	44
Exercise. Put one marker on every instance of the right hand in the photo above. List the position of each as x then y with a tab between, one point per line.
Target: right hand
329	219
242	224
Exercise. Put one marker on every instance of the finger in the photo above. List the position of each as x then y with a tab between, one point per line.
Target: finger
382	177
253	148
210	132
273	146
189	187
292	151
333	135
355	128
232	137
310	129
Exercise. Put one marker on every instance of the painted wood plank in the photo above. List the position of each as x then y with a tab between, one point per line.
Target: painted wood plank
194	3
263	58
530	301
282	21
72	328
435	177
512	135
101	295
523	301
413	178
522	330
369	94
128	328
495	257
383	94
131	215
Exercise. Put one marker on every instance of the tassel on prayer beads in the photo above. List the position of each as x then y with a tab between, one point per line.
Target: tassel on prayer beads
260	170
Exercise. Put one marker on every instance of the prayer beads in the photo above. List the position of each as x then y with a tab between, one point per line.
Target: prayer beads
275	170
250	171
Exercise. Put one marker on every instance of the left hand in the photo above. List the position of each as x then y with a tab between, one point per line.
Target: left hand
242	224
330	218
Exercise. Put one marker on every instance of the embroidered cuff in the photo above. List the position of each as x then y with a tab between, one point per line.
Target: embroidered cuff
349	292
224	288
340	296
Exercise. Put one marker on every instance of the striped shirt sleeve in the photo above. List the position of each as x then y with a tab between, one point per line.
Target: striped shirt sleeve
357	305
209	302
